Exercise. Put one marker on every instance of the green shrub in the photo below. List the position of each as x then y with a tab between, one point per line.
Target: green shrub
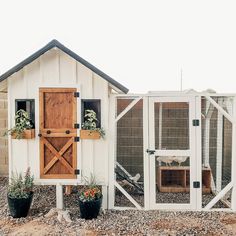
90	122
19	186
22	122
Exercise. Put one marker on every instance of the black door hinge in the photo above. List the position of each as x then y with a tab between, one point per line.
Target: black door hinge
196	122
77	171
76	94
77	139
196	184
76	126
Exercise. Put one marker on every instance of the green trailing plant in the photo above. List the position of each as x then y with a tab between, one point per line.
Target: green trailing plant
92	190
90	122
19	186
22	122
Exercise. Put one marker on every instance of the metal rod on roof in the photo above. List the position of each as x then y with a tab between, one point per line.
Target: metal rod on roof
181	79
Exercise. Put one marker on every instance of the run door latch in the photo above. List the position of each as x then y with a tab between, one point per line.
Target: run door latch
150	152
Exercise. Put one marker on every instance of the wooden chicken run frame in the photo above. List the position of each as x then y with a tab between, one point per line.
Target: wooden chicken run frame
201	178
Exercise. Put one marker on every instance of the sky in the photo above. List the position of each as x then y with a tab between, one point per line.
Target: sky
142	44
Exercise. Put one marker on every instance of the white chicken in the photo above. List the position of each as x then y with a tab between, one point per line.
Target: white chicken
135	178
169	159
166	159
180	159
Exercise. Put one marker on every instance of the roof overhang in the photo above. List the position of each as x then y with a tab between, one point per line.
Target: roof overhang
54	43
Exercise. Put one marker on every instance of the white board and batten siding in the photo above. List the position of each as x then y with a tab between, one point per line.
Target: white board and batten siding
3	128
57	69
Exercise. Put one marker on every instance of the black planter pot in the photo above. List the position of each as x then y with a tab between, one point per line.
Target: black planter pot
19	207
90	210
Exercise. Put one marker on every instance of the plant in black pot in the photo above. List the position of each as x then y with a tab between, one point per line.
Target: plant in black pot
20	194
90	200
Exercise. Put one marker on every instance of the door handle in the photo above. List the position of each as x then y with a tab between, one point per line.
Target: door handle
67	131
40	135
48	131
150	152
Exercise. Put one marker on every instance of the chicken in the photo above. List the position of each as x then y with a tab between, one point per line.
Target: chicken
180	159
166	159
135	178
169	159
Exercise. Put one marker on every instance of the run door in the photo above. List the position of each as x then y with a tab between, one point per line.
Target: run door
171	153
57	147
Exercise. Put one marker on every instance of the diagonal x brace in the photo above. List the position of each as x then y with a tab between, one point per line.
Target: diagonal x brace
58	155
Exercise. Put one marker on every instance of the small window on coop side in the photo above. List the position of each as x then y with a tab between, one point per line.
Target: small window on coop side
92	104
28	106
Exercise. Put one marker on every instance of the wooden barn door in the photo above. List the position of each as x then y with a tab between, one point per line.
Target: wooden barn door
57	120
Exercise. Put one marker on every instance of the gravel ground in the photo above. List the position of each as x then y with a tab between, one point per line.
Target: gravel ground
132	222
121	200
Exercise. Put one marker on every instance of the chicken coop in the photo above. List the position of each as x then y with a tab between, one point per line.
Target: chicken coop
161	150
174	150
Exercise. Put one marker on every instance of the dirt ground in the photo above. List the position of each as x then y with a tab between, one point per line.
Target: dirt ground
29	228
37	228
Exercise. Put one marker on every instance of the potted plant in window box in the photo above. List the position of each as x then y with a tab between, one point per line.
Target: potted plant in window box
20	194
89	126
23	127
90	200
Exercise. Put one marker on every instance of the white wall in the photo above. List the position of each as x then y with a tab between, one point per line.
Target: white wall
3	138
57	69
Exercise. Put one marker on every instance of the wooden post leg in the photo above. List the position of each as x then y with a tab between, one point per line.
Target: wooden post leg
59	196
68	189
104	201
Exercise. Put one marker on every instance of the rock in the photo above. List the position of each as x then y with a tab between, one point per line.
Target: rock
59	216
66	216
51	213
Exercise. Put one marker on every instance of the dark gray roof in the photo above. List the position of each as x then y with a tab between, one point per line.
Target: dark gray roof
55	43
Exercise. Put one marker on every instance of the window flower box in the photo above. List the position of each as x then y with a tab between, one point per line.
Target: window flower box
27	134
89	134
